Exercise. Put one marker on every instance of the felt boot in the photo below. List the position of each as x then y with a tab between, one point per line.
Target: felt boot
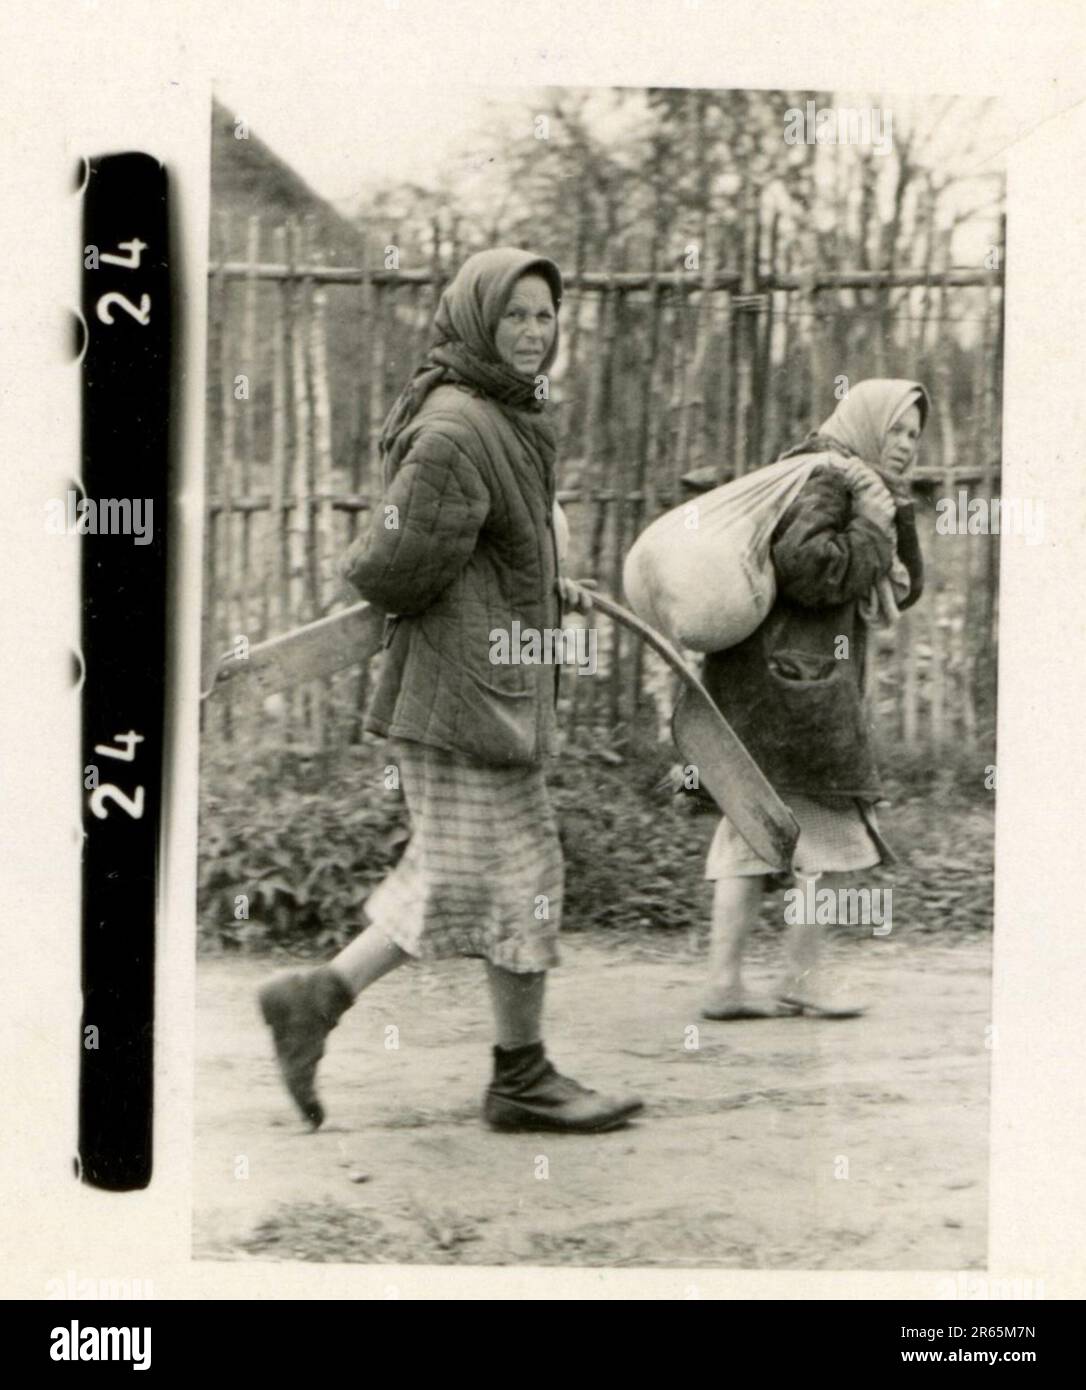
302	1007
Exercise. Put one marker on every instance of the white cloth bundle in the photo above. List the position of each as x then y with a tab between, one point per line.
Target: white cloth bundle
702	573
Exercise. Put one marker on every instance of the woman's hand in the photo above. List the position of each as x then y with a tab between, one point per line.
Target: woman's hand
575	597
898	483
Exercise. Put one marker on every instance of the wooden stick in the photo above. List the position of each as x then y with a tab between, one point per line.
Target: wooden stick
747	329
229	460
377	408
571	307
729	451
690	451
618	466
596	457
249	366
905	651
704	736
323	478
211	630
281	451
299	438
816	359
936	641
767	394
680	305
785	428
643	452
308	476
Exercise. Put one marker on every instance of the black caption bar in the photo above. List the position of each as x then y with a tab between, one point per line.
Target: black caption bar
120	517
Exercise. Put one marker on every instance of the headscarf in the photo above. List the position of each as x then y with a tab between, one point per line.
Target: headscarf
865	416
463	348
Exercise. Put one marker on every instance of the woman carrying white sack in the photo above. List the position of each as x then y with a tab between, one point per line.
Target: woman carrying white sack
793	690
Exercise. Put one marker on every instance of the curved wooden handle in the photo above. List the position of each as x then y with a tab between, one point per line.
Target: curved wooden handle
705	738
660	645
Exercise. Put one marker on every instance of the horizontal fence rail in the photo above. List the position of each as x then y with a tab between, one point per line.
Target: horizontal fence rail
691	280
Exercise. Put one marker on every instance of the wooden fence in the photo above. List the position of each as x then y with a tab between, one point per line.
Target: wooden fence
661	373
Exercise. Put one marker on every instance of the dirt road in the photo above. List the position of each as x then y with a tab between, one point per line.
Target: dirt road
788	1143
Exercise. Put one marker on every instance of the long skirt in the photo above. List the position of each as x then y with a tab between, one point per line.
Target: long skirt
831	840
482	874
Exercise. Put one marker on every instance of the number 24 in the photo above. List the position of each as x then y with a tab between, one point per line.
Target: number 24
103	308
125	752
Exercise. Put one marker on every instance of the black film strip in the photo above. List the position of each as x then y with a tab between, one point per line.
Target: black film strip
120	517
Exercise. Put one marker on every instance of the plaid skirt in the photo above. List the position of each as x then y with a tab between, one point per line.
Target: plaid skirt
482	874
831	840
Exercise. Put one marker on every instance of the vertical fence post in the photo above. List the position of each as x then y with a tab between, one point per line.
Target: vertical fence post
675	432
727	436
303	436
360	445
747	337
375	317
362	481
228	567
230	445
210	647
619	482
691	446
571	404
815	350
785	427
766	393
932	600
644	446
324	480
299	439
306	491
906	661
278	562
252	608
324	475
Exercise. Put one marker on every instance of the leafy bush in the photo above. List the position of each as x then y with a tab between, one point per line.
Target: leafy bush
303	845
306	839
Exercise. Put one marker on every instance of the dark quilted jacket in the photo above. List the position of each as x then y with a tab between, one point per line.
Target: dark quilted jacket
795	703
462	543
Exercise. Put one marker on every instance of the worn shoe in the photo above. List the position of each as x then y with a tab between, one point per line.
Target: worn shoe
729	1006
814	995
302	1007
527	1093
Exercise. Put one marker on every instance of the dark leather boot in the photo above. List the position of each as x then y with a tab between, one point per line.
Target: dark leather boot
527	1093
302	1007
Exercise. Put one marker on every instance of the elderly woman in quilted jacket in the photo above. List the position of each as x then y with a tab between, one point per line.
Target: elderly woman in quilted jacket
461	545
793	692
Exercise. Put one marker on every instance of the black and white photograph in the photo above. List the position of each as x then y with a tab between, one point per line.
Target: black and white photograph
542	734
601	570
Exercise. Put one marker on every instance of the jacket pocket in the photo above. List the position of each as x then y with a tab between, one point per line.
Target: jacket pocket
818	714
498	725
